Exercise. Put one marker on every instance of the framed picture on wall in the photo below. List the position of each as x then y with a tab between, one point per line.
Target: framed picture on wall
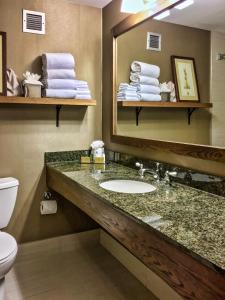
185	78
2	63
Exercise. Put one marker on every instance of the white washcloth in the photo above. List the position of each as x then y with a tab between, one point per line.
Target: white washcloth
126	86
64	84
146	88
59	74
58	61
137	78
145	69
53	93
150	97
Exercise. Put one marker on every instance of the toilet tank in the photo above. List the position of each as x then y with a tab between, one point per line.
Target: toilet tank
8	193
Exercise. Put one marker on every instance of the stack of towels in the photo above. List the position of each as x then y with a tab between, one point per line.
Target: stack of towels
127	92
59	77
145	78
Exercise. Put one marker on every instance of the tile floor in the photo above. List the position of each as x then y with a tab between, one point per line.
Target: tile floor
90	273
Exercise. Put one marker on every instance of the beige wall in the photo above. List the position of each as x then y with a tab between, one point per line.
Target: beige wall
166	124
218	90
27	132
112	16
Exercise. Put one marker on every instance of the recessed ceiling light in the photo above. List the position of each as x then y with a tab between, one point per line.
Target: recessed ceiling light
184	4
163	15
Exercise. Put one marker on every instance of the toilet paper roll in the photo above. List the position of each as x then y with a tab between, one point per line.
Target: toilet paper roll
48	207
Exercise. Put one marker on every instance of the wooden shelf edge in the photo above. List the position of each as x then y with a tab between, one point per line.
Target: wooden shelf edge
164	104
46	101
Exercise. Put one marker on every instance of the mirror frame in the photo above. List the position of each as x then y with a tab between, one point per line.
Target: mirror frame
194	150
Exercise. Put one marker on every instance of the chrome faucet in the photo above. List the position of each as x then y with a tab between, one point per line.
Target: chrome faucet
168	175
142	170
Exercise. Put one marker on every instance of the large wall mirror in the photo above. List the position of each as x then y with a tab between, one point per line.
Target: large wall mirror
185	48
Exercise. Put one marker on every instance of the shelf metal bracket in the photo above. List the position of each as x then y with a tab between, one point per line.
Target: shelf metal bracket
58	108
190	112
138	110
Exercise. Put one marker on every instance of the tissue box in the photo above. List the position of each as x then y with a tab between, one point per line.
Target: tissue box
165	96
32	90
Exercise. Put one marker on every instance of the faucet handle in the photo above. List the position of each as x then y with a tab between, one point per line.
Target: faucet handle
167	176
173	173
139	165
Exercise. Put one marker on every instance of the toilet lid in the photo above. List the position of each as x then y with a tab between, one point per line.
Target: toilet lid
7	245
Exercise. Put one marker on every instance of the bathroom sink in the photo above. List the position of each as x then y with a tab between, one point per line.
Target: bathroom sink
128	186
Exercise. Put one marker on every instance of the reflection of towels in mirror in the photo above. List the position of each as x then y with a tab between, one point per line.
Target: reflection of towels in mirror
137	78
150	97
145	69
127	92
147	88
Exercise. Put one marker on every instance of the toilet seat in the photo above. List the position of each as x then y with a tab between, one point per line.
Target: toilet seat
8	247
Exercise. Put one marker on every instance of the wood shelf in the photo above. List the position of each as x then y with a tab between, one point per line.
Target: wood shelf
139	105
57	102
46	101
161	104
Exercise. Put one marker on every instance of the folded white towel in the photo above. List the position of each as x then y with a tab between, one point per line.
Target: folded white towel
58	61
65	84
146	88
83	96
83	92
126	86
145	69
53	93
59	74
137	78
124	99
150	97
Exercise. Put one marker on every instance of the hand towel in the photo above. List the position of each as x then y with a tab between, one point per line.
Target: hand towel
137	78
145	69
146	88
65	84
58	61
53	93
59	74
150	97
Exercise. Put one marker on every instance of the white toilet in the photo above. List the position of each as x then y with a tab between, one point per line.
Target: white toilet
8	245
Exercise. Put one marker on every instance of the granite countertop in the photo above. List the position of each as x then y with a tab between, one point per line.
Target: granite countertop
192	218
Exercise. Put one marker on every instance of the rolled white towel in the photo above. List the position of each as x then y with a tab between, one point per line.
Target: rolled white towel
150	97
58	61
59	84
145	69
53	93
137	78
146	88
59	74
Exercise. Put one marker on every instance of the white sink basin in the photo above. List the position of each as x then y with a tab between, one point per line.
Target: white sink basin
128	186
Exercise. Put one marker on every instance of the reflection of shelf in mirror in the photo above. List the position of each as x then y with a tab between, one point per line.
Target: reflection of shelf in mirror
191	106
164	104
47	101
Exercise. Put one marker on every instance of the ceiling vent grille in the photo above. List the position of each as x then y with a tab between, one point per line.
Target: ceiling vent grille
153	41
33	22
